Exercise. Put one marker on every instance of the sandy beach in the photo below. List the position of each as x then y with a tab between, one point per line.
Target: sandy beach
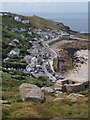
77	69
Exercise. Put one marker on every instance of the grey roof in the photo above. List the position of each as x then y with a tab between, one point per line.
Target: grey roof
16	50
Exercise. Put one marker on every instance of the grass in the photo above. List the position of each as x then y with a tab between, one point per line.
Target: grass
12	23
68	109
41	22
86	93
15	108
49	109
62	108
12	80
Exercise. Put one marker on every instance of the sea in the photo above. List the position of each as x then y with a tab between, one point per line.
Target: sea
76	21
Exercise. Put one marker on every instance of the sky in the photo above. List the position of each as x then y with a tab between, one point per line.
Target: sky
45	0
51	7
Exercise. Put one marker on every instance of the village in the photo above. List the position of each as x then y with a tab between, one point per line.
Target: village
45	50
40	58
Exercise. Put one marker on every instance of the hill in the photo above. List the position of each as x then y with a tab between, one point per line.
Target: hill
61	107
43	23
20	35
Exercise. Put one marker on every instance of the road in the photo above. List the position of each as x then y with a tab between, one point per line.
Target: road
50	76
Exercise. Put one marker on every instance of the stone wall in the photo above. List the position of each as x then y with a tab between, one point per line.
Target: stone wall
56	64
71	86
54	41
77	87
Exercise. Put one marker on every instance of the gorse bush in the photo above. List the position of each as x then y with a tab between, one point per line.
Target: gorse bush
41	81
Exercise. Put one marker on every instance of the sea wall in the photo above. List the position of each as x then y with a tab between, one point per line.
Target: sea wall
50	42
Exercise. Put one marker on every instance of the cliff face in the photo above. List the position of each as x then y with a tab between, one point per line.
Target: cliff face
66	51
63	27
56	64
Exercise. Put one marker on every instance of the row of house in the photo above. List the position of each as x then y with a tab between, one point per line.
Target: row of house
40	53
16	17
5	13
45	33
20	19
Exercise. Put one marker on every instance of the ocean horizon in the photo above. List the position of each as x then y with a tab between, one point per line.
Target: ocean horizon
76	21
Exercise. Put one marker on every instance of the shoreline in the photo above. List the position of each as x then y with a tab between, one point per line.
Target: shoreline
53	19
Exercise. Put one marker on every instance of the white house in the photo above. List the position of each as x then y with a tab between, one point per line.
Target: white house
5	13
34	39
15	51
28	68
34	61
29	32
12	44
65	35
16	40
22	30
46	36
25	21
6	59
16	18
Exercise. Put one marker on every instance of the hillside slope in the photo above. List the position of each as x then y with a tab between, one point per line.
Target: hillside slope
20	36
43	23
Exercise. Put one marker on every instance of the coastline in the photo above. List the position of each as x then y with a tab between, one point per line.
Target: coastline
53	96
67	18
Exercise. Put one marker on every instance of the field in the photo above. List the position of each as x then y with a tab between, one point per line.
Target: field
15	108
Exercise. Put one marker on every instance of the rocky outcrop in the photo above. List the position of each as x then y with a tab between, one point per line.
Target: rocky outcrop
71	85
74	97
58	99
58	93
63	27
56	118
30	92
47	89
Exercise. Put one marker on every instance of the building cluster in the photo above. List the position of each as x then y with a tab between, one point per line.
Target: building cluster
15	17
40	58
40	61
45	33
42	34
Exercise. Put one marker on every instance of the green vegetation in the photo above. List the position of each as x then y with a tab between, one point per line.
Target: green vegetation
6	21
14	65
42	23
15	108
11	80
86	93
8	36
